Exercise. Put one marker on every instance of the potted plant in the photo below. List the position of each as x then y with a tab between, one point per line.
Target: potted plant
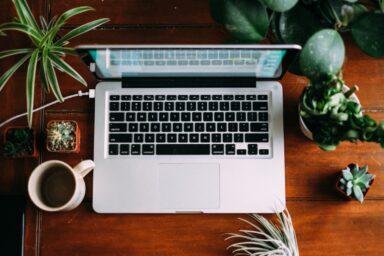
47	50
20	142
63	136
354	182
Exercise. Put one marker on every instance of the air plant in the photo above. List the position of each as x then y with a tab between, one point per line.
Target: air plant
266	238
46	54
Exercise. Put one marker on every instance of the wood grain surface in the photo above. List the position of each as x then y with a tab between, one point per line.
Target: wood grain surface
324	222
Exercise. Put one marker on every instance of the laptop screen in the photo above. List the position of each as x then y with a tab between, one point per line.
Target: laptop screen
115	63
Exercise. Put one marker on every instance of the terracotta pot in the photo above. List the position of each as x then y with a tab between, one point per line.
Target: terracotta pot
303	127
77	134
34	153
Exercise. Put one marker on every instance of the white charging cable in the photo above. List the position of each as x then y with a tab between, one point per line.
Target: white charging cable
90	93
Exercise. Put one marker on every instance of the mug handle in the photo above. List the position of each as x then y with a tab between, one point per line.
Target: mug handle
84	167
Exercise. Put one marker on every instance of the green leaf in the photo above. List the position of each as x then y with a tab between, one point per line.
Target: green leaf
70	13
31	77
43	77
246	20
67	69
323	54
63	50
280	5
358	193
23	9
367	32
4	79
51	76
21	28
347	175
13	52
81	30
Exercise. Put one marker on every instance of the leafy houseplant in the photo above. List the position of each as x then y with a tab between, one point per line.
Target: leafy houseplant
20	142
63	136
266	238
47	51
354	182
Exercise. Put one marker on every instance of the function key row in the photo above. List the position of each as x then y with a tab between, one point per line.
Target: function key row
262	97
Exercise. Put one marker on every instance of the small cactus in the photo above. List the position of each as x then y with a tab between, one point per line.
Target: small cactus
355	181
61	136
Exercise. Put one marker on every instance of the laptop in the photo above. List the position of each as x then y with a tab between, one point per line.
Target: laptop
188	128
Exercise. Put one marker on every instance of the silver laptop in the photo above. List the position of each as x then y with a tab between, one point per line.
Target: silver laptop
188	129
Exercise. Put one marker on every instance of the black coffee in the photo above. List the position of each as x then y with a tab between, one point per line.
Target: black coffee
58	186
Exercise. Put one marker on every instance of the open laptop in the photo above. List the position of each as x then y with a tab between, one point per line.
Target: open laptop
188	129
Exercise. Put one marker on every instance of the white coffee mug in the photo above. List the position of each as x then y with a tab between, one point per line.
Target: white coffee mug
55	186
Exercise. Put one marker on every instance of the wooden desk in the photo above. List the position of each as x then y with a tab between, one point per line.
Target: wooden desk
325	224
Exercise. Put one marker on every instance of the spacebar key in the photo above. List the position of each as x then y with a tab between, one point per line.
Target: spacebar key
182	149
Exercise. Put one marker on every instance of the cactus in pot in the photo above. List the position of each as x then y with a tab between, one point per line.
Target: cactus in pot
63	136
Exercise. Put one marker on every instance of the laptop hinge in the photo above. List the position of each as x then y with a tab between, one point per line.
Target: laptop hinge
187	82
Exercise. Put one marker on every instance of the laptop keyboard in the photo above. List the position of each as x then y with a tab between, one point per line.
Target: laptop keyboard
207	124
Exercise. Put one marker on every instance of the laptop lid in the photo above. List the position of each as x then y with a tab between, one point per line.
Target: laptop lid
259	62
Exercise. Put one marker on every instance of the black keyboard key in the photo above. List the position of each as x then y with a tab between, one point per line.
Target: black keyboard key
182	149
259	127
240	116
155	127
193	137
238	137
125	106
213	106
239	97
186	116
232	127
148	97
205	97
148	149
205	137
227	137
160	97
199	127
244	127
133	127
138	137
177	127
251	97
114	97
158	106
126	97
180	106
230	149
144	127
113	149
221	127
263	151
147	106
116	117
193	97
142	117
169	106
196	116
120	137
165	127
131	117
175	117
252	116
191	106
163	116
160	137
260	106
171	97
224	106
114	106
137	97
256	137
235	105
241	152
136	106
262	97
135	149
149	137
124	149
210	127
202	106
182	97
171	137
188	127
207	116
183	137
216	137
263	116
229	116
217	97
152	116
217	149
252	149
117	127
228	97
219	116
246	106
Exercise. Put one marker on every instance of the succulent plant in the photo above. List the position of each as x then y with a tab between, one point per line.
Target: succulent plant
61	136
19	142
355	181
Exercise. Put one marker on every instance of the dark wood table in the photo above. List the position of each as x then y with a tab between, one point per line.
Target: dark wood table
324	222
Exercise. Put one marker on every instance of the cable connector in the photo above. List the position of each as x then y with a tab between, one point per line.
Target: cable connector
91	93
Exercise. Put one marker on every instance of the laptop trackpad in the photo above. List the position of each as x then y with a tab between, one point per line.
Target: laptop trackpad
189	186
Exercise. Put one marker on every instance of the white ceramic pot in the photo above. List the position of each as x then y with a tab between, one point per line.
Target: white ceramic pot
303	127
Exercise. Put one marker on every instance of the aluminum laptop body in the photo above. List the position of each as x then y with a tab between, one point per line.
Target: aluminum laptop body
164	177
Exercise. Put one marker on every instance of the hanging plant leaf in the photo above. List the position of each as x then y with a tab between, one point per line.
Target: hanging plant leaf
322	54
246	20
274	28
367	32
280	5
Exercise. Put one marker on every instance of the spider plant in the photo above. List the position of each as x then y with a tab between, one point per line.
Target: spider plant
47	50
267	238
